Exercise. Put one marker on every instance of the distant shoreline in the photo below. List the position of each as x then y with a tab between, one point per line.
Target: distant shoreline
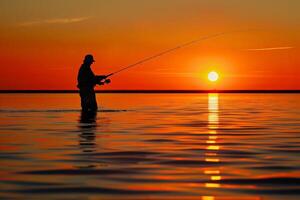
151	91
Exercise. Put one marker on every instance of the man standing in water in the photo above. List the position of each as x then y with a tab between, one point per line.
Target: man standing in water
87	80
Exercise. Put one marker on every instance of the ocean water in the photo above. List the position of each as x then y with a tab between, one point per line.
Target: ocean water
150	146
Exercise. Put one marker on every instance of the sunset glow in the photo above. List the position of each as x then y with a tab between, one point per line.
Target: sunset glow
43	45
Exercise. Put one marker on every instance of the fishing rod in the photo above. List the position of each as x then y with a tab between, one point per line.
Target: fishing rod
168	51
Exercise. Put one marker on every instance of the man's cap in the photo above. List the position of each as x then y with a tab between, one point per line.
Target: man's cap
89	57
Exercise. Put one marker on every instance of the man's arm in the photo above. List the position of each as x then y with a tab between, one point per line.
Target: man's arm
101	77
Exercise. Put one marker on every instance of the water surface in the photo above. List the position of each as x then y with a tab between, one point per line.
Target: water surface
150	146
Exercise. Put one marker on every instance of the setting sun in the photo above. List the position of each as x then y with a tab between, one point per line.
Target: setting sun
213	76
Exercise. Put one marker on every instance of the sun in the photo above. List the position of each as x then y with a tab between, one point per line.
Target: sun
213	76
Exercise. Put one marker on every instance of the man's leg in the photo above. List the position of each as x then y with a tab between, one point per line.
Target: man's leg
84	97
93	99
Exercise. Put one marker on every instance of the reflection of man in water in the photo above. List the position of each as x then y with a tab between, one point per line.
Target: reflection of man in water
87	80
87	128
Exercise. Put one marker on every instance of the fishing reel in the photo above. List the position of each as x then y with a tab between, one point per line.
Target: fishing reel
106	81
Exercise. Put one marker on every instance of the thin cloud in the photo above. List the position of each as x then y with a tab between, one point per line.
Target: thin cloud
270	49
55	21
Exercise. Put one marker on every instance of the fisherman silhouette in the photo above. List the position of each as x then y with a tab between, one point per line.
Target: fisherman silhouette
87	80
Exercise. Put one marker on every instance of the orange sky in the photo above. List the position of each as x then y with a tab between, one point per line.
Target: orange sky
43	43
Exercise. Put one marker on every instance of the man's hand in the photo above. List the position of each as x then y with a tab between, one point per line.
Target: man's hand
101	80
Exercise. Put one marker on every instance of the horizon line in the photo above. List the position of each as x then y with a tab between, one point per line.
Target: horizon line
153	91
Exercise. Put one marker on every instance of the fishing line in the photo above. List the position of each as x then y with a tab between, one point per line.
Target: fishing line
171	50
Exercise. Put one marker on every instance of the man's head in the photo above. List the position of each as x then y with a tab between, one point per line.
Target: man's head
88	59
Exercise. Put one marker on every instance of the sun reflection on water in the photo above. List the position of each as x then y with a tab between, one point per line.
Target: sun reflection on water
208	198
212	144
